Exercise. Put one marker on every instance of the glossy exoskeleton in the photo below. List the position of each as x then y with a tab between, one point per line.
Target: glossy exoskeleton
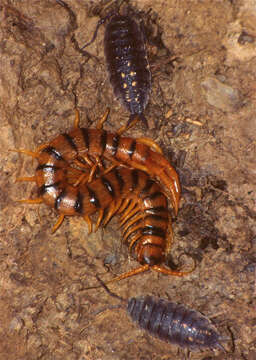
127	62
173	323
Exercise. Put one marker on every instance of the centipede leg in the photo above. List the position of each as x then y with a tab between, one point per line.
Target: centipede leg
26	178
102	120
169	238
126	127
111	211
133	272
31	201
77	119
30	153
99	220
166	271
129	223
89	223
114	208
58	223
151	143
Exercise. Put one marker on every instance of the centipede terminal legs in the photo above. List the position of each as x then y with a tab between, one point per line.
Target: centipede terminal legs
147	267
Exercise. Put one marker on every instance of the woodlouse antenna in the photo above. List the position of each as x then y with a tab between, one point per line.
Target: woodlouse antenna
109	291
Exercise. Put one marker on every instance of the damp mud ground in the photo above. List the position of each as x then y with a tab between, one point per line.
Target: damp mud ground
201	112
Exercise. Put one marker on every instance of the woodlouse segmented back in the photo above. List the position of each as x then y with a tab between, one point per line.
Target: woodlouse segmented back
173	323
127	64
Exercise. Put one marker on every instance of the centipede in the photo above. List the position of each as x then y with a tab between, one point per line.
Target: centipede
93	144
126	190
127	61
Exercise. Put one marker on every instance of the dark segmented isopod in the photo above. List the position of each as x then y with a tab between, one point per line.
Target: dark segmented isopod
127	64
174	323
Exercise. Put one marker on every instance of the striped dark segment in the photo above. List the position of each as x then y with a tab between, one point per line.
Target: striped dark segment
86	137
157	217
44	188
115	144
154	195
71	141
93	198
103	141
132	148
153	230
135	179
119	179
59	199
53	168
156	210
109	187
79	203
148	186
53	152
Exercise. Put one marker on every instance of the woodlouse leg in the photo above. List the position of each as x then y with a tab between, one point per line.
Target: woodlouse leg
58	223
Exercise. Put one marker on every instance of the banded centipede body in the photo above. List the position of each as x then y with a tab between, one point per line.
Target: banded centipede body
127	62
96	143
145	220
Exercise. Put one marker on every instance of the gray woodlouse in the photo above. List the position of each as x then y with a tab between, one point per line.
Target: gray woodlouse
170	322
127	62
173	323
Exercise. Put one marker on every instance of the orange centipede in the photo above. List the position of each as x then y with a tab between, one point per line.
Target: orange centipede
94	143
145	220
